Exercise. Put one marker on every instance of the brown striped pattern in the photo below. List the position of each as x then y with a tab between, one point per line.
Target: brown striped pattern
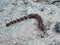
30	16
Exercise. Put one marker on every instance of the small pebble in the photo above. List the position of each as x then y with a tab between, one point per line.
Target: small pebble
42	9
57	27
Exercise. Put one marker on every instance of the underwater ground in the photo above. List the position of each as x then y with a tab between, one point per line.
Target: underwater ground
27	32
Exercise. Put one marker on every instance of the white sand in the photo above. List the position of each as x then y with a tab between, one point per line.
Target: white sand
26	32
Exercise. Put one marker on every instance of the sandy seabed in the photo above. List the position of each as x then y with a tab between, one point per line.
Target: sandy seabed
26	32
